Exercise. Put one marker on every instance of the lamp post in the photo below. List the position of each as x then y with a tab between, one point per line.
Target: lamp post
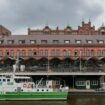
80	61
48	67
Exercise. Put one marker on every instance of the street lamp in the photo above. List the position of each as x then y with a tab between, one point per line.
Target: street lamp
80	61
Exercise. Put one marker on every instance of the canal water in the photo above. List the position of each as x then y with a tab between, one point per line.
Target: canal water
74	100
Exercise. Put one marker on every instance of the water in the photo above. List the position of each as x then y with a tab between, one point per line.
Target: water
74	100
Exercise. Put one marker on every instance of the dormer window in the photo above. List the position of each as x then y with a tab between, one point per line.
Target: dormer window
78	41
43	41
33	41
55	41
100	41
89	41
66	41
10	41
1	41
46	30
21	41
68	29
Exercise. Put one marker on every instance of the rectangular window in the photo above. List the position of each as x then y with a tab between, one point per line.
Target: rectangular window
66	41
43	41
94	82
80	83
78	41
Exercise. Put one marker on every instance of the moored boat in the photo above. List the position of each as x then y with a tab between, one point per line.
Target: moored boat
14	87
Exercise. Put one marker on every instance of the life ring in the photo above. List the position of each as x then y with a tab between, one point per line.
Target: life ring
29	85
24	85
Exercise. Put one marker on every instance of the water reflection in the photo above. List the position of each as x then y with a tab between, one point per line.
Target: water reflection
33	102
72	100
86	100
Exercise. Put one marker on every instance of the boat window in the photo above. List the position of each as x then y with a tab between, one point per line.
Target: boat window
0	79
37	89
8	80
3	80
42	90
47	90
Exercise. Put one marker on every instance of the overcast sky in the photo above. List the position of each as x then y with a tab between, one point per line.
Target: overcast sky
18	15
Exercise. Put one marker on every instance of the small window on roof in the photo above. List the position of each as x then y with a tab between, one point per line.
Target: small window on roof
100	41
55	41
21	41
10	41
32	41
66	41
1	41
78	41
89	41
43	41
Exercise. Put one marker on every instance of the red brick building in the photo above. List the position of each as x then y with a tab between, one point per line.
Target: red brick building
65	50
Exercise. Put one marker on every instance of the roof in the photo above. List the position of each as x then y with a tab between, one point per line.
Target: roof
50	38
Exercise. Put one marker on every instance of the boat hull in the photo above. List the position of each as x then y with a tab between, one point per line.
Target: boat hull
34	96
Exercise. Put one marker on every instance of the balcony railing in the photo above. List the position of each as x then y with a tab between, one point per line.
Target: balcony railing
45	69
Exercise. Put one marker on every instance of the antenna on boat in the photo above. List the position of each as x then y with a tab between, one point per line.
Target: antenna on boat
80	60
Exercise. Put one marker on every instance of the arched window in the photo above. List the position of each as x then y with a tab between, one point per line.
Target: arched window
23	53
57	52
1	53
103	52
41	52
53	52
99	53
81	53
64	53
34	52
76	53
46	52
29	52
69	53
18	53
92	53
12	53
7	53
87	53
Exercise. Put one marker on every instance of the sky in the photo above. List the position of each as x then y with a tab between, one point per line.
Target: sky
18	15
